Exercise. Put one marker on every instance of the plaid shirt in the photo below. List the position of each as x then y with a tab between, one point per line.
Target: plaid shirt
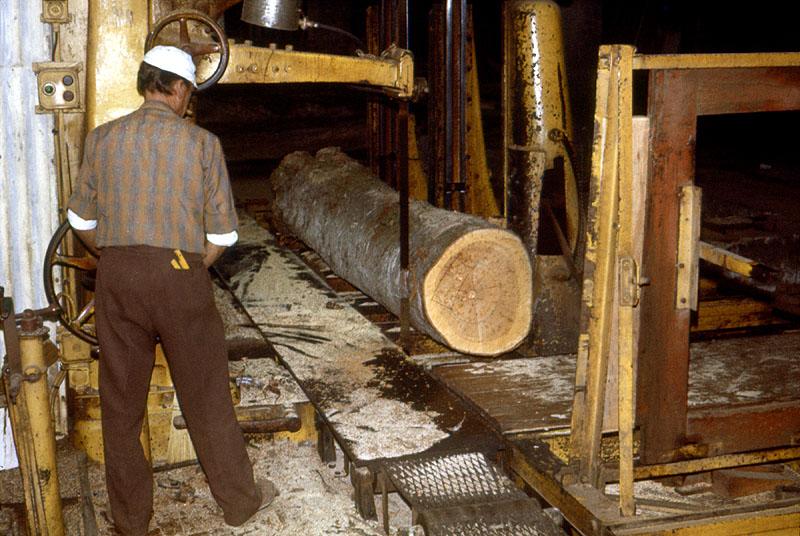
152	178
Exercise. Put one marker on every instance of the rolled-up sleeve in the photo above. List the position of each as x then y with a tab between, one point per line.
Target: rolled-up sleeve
83	201
219	210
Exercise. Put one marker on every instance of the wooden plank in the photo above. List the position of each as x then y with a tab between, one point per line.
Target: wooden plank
627	285
596	321
735	313
716	61
641	145
663	361
688	248
731	429
516	395
771	522
730	91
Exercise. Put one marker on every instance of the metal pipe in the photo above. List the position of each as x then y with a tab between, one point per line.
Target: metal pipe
402	179
537	115
462	104
448	104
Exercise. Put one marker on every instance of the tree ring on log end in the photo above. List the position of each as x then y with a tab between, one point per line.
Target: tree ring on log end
479	293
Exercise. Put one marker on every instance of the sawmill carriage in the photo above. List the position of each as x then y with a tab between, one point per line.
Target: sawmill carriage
524	286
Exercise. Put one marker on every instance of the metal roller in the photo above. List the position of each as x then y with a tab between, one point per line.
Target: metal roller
277	14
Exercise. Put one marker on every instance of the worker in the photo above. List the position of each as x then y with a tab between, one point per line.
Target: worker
153	200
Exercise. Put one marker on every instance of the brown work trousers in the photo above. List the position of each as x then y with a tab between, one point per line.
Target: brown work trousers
140	295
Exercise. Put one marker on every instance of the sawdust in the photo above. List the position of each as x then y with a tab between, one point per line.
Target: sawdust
649	490
545	386
380	428
741	370
331	350
314	499
265	382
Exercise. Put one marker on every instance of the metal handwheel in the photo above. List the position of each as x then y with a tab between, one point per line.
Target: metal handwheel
217	45
78	320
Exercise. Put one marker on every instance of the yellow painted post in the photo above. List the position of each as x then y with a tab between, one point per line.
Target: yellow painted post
39	440
628	279
599	274
537	118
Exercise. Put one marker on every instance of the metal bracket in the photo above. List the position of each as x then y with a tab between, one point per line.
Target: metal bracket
58	85
55	11
628	282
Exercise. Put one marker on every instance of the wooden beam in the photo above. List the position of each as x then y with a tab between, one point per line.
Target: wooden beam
732	91
731	429
715	61
663	371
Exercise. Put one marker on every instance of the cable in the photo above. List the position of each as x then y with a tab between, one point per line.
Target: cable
305	24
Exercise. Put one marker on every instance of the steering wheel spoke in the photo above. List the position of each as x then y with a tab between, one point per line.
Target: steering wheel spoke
184	39
86	263
86	313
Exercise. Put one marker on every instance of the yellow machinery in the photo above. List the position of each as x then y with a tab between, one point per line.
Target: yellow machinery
537	146
29	353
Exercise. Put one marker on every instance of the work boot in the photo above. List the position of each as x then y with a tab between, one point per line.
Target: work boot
268	493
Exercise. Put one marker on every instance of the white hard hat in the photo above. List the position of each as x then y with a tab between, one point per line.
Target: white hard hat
172	59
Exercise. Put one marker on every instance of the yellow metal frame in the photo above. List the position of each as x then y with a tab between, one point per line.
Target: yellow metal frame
611	286
393	71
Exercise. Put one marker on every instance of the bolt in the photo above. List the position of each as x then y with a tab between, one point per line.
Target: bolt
253	68
29	322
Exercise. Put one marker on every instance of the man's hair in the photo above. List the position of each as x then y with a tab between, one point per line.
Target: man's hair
156	80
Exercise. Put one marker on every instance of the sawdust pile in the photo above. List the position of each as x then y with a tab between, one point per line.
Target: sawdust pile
314	500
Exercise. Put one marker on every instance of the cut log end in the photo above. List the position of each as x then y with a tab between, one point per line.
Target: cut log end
479	293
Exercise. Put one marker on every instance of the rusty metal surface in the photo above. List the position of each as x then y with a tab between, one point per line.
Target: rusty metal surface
556	309
537	117
447	115
450	480
522	517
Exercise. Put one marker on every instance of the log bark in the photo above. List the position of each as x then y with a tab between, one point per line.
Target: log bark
470	282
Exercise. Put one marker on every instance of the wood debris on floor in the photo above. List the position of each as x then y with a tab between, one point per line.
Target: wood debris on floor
314	499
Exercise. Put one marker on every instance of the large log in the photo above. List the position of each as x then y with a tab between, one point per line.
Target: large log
470	282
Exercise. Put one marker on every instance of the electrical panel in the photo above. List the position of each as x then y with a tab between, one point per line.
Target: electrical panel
58	86
55	11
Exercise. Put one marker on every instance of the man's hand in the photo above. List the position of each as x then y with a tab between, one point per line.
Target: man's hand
212	253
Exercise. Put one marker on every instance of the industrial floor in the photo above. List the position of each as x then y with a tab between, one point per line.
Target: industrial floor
314	498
